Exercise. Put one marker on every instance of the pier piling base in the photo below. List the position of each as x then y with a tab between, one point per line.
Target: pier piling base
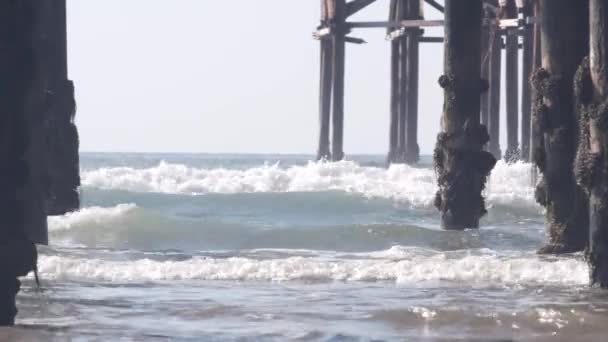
461	164
591	169
564	31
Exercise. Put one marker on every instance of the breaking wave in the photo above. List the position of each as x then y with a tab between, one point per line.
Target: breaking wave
91	217
400	265
416	186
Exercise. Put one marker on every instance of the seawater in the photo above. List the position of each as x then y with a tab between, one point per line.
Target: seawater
265	247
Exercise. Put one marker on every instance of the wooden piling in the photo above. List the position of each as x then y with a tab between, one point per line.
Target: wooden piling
22	97
591	89
526	96
460	162
495	66
403	13
394	98
62	140
325	89
485	72
412	152
339	46
536	136
512	87
564	31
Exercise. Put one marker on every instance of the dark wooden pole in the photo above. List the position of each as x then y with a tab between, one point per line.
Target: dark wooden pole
512	88
592	161
412	153
526	96
538	54
460	162
61	29
63	141
485	73
536	134
338	80
564	30
495	65
394	98
325	87
22	97
402	10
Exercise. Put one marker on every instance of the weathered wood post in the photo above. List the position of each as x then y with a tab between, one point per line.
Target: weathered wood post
485	68
564	31
512	87
536	134
526	96
402	14
339	46
22	219
63	141
394	105
495	65
591	89
412	152
325	84
460	162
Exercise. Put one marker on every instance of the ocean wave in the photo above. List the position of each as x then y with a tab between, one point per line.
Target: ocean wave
127	226
90	217
416	186
408	268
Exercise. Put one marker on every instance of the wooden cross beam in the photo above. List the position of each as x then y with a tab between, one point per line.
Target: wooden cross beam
356	5
503	23
354	40
431	39
395	24
435	5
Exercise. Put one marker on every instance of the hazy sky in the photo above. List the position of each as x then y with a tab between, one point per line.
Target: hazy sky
227	76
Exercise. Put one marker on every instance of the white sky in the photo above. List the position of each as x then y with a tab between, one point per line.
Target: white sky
228	76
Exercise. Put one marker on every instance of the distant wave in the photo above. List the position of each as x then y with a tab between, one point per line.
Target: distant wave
416	186
400	265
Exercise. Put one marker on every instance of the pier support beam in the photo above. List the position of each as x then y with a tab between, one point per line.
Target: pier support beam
460	162
536	134
412	152
325	89
403	13
591	89
495	63
62	141
22	146
512	153
526	96
339	46
394	98
485	72
564	31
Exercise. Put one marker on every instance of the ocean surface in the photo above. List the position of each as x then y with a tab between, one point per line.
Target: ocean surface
274	248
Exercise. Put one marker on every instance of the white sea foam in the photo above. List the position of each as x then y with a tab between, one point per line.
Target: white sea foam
511	184
89	217
416	186
484	269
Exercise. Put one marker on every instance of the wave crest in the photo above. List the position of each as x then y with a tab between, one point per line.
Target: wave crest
416	268
91	216
416	186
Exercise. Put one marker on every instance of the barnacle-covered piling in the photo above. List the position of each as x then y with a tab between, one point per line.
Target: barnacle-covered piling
461	164
564	27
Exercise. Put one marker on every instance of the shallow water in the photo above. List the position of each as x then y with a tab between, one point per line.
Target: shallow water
231	247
